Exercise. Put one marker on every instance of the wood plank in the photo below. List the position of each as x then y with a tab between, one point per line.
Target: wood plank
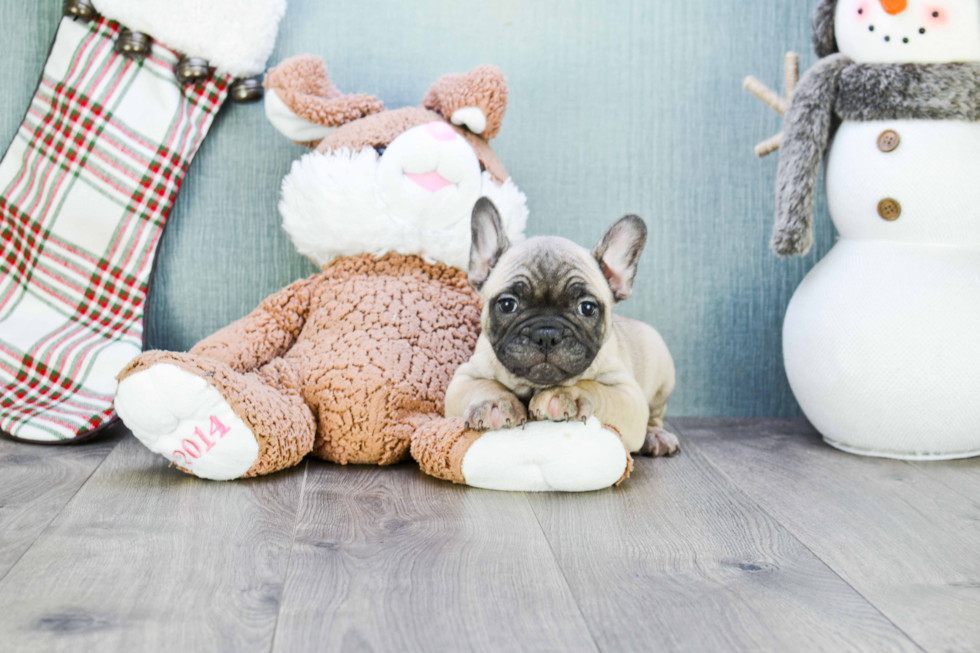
391	560
960	476
678	559
894	532
36	482
147	558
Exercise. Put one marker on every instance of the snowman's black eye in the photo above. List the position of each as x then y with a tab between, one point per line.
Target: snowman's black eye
860	11
905	40
922	30
871	29
935	14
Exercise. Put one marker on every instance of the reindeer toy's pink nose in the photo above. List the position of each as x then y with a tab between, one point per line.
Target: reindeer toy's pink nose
441	131
894	7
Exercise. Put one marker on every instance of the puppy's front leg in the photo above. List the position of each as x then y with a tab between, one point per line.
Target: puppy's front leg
621	405
483	403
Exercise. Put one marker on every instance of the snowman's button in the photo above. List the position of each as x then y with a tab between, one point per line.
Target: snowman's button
889	209
889	141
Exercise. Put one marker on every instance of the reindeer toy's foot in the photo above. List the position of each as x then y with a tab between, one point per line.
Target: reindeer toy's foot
537	457
212	421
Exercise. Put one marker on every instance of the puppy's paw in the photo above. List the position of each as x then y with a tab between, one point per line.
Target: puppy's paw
561	404
493	414
660	443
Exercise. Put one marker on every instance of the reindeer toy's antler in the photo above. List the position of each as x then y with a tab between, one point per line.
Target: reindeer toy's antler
770	97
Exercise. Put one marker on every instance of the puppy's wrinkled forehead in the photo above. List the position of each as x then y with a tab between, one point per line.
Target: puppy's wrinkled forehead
548	268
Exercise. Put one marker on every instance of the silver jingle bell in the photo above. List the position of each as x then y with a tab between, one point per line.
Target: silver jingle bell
133	44
248	89
192	70
81	9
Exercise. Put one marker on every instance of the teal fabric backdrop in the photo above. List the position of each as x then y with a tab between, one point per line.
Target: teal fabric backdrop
616	106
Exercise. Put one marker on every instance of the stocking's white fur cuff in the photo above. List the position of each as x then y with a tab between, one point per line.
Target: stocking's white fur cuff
235	36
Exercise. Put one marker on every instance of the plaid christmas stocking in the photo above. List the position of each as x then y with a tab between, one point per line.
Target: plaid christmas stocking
86	187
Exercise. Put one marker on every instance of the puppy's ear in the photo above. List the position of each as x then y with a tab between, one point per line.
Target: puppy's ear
489	241
618	254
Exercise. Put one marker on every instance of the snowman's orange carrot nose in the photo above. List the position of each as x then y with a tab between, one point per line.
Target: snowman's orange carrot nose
894	7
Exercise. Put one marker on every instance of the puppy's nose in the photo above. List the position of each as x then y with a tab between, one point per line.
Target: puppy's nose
546	338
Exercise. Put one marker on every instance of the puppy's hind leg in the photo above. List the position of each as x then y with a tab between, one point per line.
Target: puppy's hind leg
659	441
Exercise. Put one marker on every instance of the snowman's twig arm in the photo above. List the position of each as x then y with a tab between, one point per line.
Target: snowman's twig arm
806	135
766	94
768	146
791	73
791	77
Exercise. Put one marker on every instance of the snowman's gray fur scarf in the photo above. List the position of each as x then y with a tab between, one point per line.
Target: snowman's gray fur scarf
824	37
838	89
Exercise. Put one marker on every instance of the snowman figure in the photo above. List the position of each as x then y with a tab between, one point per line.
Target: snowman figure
881	341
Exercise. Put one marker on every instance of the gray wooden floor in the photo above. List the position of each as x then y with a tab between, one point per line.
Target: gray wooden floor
757	538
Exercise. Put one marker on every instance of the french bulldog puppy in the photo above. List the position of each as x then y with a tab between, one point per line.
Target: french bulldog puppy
551	347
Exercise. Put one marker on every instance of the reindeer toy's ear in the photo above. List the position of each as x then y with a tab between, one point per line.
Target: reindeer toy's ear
303	104
476	100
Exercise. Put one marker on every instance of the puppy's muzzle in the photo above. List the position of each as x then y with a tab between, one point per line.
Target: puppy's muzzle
546	338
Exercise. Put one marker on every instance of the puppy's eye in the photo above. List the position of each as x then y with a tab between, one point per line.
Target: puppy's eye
587	309
507	305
